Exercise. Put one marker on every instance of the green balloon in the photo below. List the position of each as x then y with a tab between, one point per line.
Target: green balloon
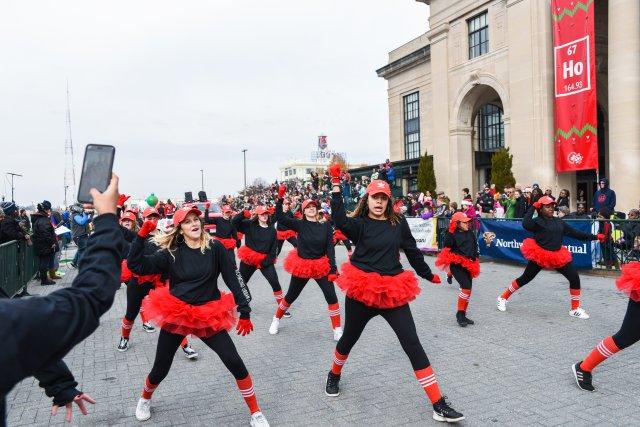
152	200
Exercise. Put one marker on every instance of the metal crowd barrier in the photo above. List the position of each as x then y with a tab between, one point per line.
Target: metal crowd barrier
18	265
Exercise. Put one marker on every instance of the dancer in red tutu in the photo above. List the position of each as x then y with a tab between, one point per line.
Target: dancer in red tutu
339	236
192	303
225	230
629	333
376	285
545	250
260	248
282	231
460	259
313	259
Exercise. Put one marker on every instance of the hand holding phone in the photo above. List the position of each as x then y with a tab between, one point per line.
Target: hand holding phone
106	201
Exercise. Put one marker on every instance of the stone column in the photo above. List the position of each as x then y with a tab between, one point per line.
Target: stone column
624	101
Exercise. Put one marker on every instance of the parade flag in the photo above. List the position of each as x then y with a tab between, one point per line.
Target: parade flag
576	134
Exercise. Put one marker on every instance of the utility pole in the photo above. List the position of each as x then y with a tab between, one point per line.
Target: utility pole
244	162
65	196
202	179
69	165
12	187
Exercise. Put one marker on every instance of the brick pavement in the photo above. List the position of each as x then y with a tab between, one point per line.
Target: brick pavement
510	368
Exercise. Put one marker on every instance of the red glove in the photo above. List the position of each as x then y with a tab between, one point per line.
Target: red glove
334	172
281	190
601	237
122	199
332	277
244	327
247	213
537	205
207	205
435	279
147	228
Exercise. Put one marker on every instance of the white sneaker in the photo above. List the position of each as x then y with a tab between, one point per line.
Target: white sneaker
502	304
189	352
579	313
258	420
273	329
143	410
337	333
148	327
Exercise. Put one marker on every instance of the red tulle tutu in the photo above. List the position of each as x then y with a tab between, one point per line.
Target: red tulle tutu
240	235
306	268
629	280
178	317
544	258
229	243
375	290
447	257
286	234
338	236
125	273
251	257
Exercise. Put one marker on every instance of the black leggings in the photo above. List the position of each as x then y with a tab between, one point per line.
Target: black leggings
629	332
532	269
269	273
461	275
357	315
135	294
297	285
346	243
292	240
221	343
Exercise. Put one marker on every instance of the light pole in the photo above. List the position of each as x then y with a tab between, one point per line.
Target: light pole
12	188
66	187
244	162
202	179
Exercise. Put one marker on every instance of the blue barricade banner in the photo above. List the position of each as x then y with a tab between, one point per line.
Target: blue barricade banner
503	238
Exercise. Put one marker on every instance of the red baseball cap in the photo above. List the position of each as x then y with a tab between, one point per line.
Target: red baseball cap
460	216
308	202
128	216
261	210
546	200
379	186
150	211
182	213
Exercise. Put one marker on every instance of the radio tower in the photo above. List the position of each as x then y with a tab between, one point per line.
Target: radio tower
69	166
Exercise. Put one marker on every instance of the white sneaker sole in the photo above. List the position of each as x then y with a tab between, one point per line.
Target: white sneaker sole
191	356
145	418
332	395
446	420
122	350
502	307
149	331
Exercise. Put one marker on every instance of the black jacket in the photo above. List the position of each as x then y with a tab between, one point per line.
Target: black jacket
462	243
548	232
257	238
520	207
44	237
38	332
10	230
486	202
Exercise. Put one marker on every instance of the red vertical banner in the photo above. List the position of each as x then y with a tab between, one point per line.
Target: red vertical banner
576	124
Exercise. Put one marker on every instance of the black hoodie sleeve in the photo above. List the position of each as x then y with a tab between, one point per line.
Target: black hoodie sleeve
240	223
528	223
58	382
231	279
331	249
281	218
410	248
139	263
349	226
577	234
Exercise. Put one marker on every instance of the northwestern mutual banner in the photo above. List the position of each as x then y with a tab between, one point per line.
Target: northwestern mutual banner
502	239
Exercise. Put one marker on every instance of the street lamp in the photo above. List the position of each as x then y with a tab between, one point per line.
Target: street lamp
12	187
244	161
202	179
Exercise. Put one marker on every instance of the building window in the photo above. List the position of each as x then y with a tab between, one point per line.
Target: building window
478	35
413	185
411	126
490	128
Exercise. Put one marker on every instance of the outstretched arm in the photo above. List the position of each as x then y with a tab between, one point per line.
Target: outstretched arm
415	257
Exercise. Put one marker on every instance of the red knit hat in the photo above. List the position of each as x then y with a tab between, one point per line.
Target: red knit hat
308	202
379	186
182	213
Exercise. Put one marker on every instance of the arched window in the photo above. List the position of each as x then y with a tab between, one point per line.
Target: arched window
490	128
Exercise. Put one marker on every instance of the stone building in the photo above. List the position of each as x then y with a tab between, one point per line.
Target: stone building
482	78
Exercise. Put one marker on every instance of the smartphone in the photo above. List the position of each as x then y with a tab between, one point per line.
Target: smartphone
96	170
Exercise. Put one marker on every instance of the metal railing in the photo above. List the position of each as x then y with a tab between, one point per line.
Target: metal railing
18	265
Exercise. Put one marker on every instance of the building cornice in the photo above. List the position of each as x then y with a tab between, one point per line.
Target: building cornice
406	62
438	33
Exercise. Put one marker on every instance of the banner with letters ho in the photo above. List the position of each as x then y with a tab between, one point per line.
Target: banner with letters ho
576	125
502	239
424	231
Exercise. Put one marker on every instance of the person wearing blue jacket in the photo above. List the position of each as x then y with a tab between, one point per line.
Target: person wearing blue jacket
604	197
39	331
80	233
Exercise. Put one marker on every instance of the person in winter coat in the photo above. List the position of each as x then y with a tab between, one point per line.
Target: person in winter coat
520	206
9	227
44	241
563	198
604	197
80	233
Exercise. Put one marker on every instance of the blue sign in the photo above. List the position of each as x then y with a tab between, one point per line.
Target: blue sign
500	238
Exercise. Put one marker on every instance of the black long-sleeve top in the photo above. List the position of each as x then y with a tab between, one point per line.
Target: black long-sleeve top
260	239
38	332
10	230
282	225
193	275
548	232
315	239
224	227
462	243
378	242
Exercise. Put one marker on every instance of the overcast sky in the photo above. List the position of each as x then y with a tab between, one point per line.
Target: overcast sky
183	86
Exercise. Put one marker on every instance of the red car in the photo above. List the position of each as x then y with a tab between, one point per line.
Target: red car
214	212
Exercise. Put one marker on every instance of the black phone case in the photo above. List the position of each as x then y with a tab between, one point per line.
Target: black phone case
89	199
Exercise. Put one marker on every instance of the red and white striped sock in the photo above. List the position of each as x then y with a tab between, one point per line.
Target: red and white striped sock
428	382
510	290
184	343
605	349
148	389
334	314
246	389
126	327
278	296
463	299
282	308
338	362
575	298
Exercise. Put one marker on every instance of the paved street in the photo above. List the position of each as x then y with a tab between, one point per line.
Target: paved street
510	368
